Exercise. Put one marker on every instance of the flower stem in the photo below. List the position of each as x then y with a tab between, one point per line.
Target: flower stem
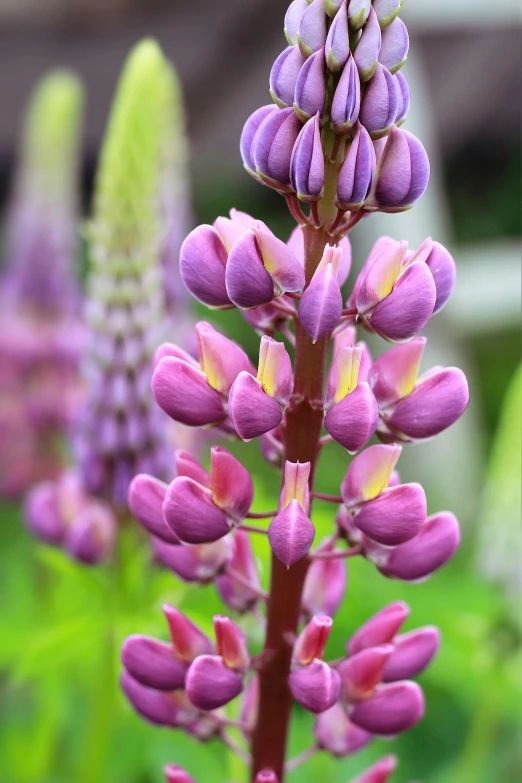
302	758
303	429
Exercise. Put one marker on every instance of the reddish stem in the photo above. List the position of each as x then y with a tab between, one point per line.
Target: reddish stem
328	498
303	429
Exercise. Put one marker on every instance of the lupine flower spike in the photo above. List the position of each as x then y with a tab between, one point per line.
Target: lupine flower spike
331	146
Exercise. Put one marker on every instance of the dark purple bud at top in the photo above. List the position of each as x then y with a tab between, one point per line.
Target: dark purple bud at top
273	145
248	134
393	708
412	652
335	733
311	32
403	95
175	774
394	46
442	267
379	772
379	629
403	173
211	684
367	51
293	16
153	663
431	548
283	76
347	98
146	497
310	87
358	12
315	687
307	164
380	103
356	175
386	11
202	261
337	48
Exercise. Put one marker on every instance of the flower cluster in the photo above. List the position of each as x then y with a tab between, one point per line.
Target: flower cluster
331	139
41	335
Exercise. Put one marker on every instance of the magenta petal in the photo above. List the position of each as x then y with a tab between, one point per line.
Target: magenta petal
231	485
409	306
235	592
379	629
183	392
248	282
42	513
321	304
155	706
379	772
442	267
279	261
252	411
325	585
210	684
393	374
335	733
175	774
315	687
369	473
187	465
202	261
248	133
392	709
394	516
187	640
291	534
273	145
431	548
283	76
412	652
146	496
361	673
221	359
352	421
153	663
437	401
190	512
199	563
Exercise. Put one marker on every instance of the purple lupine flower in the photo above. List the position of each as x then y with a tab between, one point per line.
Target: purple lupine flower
346	102
403	172
394	45
335	733
337	48
307	164
380	103
283	76
310	88
379	772
358	12
368	47
272	147
311	31
357	172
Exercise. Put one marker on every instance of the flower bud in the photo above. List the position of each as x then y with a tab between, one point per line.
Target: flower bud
152	663
352	421
361	673
191	513
332	6
283	76
275	370
221	359
346	102
295	486
175	774
248	134
315	687
321	304
291	533
211	684
312	640
273	145
310	87
335	733
183	392
403	95
42	513
442	267
412	653
198	563
253	412
396	515
379	629
157	707
187	465
358	12
234	593
394	374
368	46
357	172
145	498
380	103
307	164
337	48
369	473
296	244
187	640
91	536
402	175
202	261
344	374
231	485
293	16
311	32
230	644
393	708
325	584
431	548
379	772
386	11
394	46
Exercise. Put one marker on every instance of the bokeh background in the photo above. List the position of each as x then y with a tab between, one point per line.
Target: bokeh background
62	718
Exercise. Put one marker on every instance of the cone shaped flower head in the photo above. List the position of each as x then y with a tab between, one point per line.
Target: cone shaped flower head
291	532
198	514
